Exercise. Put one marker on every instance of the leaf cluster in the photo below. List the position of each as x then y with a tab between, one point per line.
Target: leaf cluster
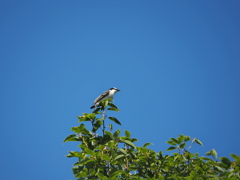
115	156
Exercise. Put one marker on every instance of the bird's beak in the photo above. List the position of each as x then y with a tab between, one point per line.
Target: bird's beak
118	90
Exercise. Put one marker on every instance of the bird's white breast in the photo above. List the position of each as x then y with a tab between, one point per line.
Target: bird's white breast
111	93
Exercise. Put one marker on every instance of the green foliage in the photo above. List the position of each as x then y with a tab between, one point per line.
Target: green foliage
112	156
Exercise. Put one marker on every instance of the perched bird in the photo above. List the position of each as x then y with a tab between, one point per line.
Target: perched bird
106	95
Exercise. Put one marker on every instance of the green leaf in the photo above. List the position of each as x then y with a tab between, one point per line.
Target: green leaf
88	151
171	143
181	138
87	117
97	125
114	120
171	148
129	143
108	134
123	151
84	161
219	168
82	127
82	118
198	142
113	107
174	140
111	144
100	175
76	129
116	133
81	175
92	172
187	138
225	161
212	153
91	116
127	134
106	157
100	147
117	173
75	154
236	158
134	140
147	144
160	154
119	156
182	145
71	137
110	127
184	158
96	111
105	178
104	104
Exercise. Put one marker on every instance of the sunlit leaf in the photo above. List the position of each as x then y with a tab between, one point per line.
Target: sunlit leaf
110	127
127	134
171	143
123	151
96	111
82	118
97	125
182	145
174	140
236	158
119	156
218	168
114	120
86	117
212	153
116	133
71	137
147	144
171	148
181	138
113	106
117	173
129	143
106	157
76	129
113	109
226	161
111	144
134	140
82	127
187	138
100	175
84	161
198	142
75	154
92	172
88	151
108	134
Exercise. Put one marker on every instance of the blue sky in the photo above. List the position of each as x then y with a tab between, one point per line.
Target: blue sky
175	62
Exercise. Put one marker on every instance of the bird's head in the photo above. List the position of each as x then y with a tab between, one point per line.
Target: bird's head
113	88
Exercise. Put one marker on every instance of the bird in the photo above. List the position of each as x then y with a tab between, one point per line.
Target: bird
106	95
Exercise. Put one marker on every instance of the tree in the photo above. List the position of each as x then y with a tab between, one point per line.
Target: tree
111	156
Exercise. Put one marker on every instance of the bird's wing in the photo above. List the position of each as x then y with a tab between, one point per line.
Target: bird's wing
99	98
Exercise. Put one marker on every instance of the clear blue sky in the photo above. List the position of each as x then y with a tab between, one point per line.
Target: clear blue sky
177	64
